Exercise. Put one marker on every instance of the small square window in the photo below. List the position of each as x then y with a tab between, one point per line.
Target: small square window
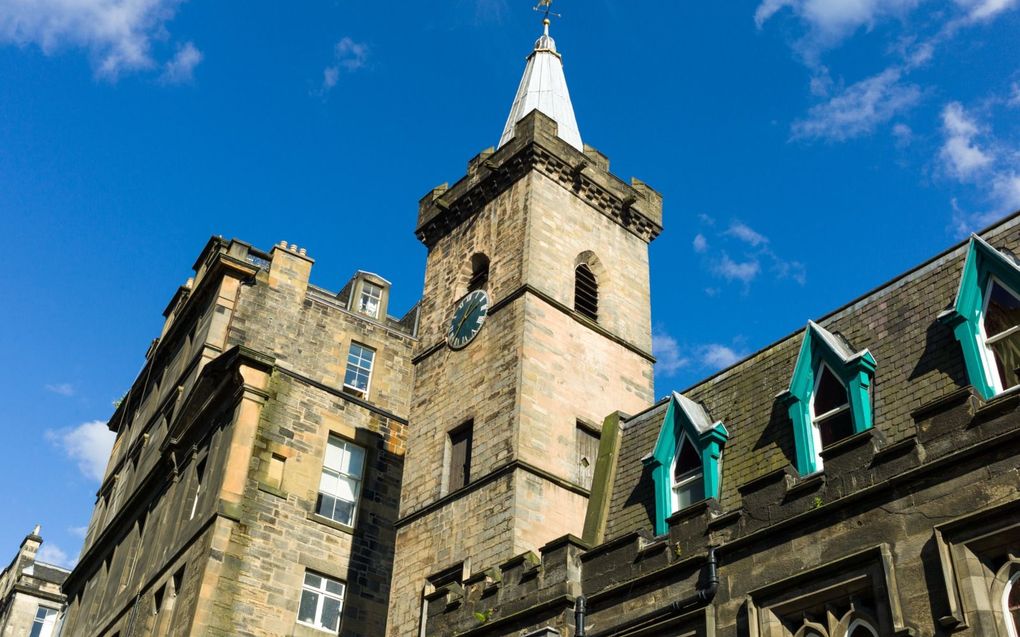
322	600
370	300
340	484
359	368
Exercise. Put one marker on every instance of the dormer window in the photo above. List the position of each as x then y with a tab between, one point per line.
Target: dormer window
688	476
1001	326
985	318
830	395
586	292
686	464
371	297
830	409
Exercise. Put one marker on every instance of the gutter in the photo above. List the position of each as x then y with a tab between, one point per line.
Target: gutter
701	596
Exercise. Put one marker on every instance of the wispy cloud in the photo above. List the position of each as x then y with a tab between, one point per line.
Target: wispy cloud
990	165
79	531
745	233
117	34
61	389
668	360
700	243
88	444
671	357
52	554
859	108
490	11
743	271
348	56
181	68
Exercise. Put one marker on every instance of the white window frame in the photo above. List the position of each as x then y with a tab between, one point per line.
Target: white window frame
368	371
358	479
1004	603
51	616
367	287
688	478
816	418
199	476
321	593
985	343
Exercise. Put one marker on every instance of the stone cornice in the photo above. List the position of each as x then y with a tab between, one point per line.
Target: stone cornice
635	207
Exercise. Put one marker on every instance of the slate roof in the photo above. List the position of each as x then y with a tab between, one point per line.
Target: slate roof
919	361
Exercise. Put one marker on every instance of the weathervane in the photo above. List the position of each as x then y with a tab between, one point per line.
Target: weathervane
545	6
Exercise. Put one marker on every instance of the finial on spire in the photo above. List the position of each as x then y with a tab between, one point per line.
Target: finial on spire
545	6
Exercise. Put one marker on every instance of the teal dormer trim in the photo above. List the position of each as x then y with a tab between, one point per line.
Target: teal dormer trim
685	418
965	317
856	370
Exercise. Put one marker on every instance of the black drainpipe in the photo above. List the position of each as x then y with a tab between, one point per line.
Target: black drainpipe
701	596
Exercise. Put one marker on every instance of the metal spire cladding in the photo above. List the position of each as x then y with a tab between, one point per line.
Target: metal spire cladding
544	87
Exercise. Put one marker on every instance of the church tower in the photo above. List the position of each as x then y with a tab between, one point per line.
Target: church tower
535	324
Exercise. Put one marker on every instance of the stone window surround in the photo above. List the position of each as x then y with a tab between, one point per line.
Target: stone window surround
869	571
966	545
855	370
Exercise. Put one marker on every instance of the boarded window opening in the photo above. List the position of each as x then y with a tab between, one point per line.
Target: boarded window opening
587	447
460	457
586	292
479	272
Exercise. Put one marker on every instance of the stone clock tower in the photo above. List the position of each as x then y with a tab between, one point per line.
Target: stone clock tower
506	408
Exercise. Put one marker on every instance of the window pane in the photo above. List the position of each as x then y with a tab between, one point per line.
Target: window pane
335	587
326	505
835	427
37	627
689	493
354	460
313	580
330	483
309	601
330	613
1007	359
343	512
347	489
334	454
830	393
1003	311
688	461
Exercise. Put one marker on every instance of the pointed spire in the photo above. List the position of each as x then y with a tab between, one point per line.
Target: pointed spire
544	87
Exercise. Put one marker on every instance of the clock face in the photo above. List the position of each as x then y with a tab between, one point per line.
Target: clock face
468	319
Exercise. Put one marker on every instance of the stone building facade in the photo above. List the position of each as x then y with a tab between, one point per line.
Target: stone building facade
31	602
294	461
254	482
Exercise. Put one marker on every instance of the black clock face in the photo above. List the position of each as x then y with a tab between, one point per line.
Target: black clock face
468	319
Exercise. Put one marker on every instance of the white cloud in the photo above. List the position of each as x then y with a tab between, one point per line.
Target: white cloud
746	234
718	356
61	389
88	444
118	34
979	10
181	69
349	56
79	531
668	359
490	11
1014	96
903	134
745	271
961	156
859	108
700	243
52	554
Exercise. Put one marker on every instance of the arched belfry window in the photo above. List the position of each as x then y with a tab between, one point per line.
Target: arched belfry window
479	272
830	394
586	292
686	464
985	318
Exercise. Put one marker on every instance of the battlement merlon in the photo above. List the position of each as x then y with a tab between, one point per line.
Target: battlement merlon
535	145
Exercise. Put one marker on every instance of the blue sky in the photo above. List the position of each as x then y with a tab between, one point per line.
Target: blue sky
807	150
